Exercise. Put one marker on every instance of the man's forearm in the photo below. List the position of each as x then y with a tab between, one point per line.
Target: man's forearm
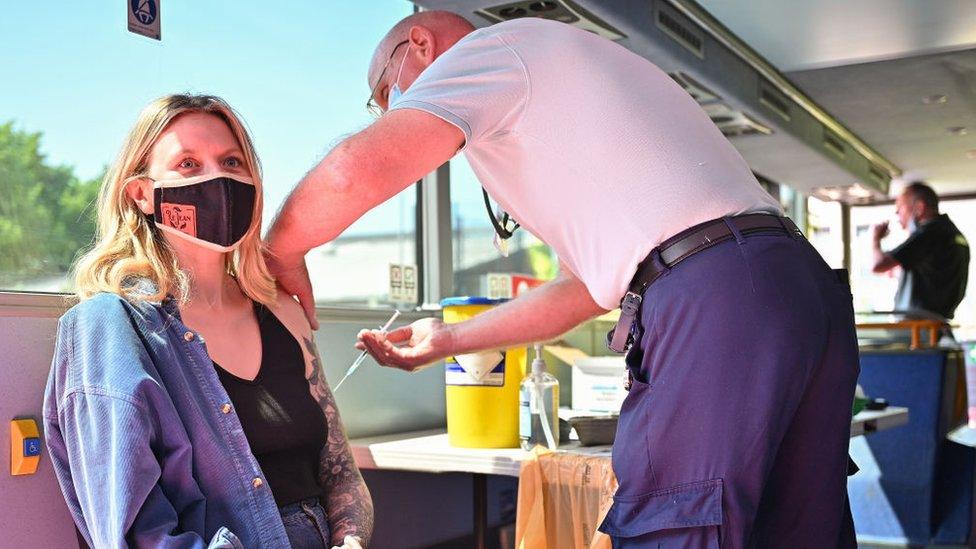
359	174
539	315
882	261
317	211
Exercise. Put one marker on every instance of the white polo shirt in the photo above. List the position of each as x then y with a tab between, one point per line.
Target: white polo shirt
589	146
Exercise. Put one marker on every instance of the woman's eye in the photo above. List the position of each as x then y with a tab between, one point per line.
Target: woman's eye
187	164
233	162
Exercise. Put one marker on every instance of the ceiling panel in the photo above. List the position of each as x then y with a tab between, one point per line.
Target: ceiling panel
869	63
890	105
805	34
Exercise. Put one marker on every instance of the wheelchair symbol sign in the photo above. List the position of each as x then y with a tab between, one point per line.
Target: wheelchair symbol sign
144	17
32	447
144	10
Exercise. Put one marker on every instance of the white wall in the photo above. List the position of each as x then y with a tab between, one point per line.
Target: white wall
32	510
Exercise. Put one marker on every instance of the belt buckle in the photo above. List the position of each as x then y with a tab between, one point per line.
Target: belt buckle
621	337
630	304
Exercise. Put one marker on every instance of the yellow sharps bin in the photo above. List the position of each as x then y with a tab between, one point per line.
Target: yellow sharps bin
482	412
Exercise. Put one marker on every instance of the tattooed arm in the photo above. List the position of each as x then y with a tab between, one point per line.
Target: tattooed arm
347	501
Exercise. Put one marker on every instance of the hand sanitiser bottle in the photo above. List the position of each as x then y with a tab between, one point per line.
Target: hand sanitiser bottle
538	406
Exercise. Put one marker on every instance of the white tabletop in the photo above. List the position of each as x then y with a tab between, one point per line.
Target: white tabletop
429	451
871	421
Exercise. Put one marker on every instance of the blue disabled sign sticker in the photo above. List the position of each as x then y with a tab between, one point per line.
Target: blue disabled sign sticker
32	447
144	17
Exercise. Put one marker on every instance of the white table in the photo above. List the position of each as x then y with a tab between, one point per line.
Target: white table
872	421
430	452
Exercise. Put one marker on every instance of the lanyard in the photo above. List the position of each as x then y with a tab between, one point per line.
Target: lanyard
499	225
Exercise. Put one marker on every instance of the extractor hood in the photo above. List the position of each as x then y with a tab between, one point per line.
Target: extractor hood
783	135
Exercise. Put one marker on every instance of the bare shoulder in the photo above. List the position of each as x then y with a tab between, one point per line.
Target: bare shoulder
291	314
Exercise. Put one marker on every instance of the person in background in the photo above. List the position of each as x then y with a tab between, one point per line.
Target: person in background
743	355
187	404
934	259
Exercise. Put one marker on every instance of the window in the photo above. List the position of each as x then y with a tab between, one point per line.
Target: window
791	201
475	257
873	292
824	230
73	86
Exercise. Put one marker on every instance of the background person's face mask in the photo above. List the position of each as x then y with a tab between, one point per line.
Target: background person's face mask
912	224
212	210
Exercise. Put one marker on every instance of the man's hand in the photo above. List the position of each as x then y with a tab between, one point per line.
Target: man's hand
880	231
292	275
540	315
882	262
410	347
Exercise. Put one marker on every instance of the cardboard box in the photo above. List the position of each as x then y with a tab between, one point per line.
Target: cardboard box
598	383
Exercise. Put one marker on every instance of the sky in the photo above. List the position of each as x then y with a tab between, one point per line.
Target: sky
295	71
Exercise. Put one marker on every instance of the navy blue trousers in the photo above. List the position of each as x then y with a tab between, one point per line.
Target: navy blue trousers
735	431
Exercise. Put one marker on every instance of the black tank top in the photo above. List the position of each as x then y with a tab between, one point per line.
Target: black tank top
283	423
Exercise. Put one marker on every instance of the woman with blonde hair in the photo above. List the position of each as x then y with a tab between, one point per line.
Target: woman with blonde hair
187	404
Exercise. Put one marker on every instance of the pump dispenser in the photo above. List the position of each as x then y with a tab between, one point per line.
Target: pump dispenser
538	406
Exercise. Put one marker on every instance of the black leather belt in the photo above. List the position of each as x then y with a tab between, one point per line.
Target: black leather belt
680	247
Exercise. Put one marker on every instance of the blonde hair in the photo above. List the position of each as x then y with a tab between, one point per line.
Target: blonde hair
127	244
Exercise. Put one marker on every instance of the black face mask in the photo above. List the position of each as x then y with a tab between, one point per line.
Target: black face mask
211	211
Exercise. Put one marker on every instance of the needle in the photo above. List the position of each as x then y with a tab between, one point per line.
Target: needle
359	360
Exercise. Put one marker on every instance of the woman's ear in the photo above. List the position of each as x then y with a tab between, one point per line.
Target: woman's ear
140	191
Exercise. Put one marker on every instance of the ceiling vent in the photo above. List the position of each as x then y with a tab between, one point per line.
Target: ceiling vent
834	144
680	29
564	11
698	91
775	101
879	176
734	123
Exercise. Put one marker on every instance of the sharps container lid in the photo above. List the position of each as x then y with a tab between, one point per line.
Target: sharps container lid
468	300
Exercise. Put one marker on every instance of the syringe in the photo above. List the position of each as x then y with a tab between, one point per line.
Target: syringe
359	360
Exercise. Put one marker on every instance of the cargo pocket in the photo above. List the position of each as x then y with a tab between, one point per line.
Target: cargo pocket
686	515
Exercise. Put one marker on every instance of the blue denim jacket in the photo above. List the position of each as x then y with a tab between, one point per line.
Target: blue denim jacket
145	444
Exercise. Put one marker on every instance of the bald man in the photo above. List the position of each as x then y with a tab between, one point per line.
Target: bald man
742	354
934	258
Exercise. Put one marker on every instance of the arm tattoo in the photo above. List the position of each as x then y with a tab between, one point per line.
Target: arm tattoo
347	500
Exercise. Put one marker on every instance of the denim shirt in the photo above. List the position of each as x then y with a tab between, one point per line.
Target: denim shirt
145	444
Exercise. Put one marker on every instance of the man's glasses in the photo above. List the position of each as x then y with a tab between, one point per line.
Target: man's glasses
371	105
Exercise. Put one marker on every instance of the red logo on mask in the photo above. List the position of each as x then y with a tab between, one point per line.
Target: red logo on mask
181	217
